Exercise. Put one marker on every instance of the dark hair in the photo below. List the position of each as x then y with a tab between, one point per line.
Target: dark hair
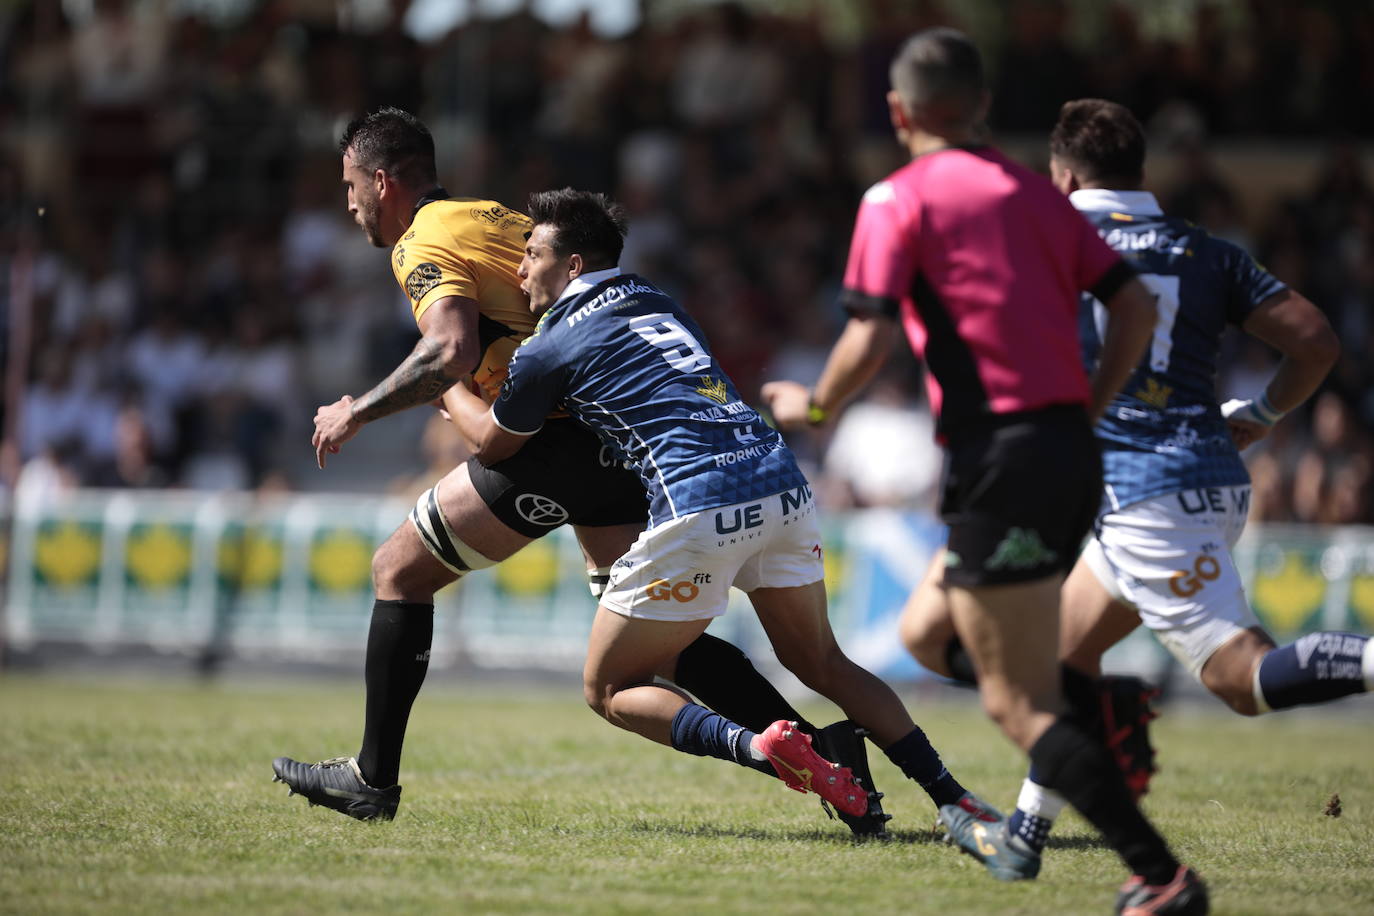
588	224
394	141
940	72
1100	140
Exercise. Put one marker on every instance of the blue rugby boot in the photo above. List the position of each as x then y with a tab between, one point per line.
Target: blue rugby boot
1006	856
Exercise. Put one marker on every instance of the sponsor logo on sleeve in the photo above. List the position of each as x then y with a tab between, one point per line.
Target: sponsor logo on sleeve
422	279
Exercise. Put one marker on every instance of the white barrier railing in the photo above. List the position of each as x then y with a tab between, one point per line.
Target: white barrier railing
290	578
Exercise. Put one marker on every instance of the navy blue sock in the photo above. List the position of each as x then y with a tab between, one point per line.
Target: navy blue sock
916	758
722	677
697	730
1032	829
1317	668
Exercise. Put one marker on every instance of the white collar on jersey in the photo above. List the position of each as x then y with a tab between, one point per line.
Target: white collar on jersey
586	281
1136	203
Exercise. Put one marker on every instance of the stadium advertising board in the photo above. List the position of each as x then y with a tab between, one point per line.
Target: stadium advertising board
289	578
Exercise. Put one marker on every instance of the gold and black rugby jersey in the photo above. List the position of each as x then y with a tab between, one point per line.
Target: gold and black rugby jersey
462	246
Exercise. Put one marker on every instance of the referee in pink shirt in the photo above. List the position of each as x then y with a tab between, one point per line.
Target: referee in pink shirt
982	262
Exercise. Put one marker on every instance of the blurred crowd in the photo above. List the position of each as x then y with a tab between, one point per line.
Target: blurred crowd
170	207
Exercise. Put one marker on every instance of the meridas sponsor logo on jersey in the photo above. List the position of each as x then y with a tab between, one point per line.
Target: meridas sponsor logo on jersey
612	296
1142	240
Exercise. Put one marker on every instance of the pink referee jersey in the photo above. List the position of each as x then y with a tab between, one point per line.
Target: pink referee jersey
984	260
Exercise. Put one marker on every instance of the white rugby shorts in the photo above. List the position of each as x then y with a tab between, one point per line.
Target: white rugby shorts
1170	559
683	569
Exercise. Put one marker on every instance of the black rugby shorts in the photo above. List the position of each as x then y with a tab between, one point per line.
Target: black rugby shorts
1021	492
562	475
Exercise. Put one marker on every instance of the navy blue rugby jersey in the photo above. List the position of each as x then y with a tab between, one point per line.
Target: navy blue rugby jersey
1164	432
626	360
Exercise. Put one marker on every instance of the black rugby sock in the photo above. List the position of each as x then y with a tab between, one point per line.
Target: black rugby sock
722	677
1067	760
960	665
397	660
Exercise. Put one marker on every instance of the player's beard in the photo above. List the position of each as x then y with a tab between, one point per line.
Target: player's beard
370	218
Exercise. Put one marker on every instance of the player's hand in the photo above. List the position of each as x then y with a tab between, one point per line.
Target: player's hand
334	425
1245	434
1244	424
788	402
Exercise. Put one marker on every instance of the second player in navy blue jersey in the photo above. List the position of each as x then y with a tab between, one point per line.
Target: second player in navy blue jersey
1176	490
728	508
1164	432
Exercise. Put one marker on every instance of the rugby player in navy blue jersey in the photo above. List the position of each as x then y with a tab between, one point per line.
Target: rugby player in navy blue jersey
728	507
982	262
1176	491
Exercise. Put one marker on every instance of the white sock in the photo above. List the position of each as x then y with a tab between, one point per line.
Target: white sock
1038	801
1367	665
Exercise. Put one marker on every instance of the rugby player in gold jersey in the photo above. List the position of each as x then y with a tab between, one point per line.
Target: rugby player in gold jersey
457	260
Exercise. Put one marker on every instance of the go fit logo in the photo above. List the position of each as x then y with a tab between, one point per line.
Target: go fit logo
1186	583
682	592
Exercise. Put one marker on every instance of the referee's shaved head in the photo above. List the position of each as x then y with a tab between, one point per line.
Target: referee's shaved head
938	73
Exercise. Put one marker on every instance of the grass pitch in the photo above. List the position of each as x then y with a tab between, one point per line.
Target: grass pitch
156	797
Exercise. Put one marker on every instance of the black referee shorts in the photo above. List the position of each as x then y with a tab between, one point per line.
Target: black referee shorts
562	475
1020	494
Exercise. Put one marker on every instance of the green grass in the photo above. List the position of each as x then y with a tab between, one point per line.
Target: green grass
156	797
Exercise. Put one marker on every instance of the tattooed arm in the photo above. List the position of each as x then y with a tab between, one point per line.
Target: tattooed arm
448	350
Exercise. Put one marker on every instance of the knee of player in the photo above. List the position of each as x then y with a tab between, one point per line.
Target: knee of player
1232	673
1241	698
926	634
924	642
598	698
385	569
998	708
1017	716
